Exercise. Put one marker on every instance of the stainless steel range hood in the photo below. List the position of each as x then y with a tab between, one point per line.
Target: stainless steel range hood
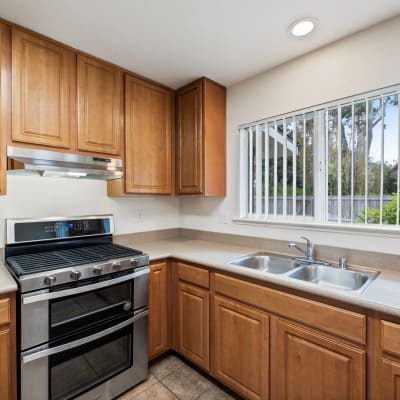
54	164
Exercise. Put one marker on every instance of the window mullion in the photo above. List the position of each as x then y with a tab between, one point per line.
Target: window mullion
398	159
339	148
382	158
275	170
284	168
258	172
352	166
266	170
294	190
250	210
366	159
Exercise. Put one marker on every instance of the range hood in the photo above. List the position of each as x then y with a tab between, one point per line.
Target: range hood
55	164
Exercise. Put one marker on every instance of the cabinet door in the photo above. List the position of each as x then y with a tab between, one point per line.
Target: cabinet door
312	366
100	104
5	100
5	364
43	91
241	337
189	139
193	324
158	310
148	138
389	384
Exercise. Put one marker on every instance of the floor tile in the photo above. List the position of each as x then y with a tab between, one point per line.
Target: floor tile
186	383
215	393
151	380
155	392
166	366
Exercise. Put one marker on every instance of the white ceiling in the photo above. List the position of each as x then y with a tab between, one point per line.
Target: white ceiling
176	41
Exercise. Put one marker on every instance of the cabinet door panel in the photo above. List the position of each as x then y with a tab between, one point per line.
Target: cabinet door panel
390	380
241	337
312	366
5	100
42	91
158	310
193	324
5	364
100	107
148	136
190	140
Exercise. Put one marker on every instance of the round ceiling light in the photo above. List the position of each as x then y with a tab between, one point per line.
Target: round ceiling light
302	27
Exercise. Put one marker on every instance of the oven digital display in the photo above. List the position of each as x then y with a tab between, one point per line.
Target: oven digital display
47	230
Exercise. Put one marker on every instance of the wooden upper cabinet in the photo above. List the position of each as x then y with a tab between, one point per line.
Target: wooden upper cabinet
158	310
312	366
100	107
148	137
5	100
190	139
43	91
201	139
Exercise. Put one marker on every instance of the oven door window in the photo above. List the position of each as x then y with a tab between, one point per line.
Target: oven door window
80	311
76	371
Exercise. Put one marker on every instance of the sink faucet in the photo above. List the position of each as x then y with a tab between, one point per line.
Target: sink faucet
309	253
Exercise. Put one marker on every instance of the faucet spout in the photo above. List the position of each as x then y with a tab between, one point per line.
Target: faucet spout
309	253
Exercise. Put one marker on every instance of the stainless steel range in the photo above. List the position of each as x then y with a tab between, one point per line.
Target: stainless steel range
83	308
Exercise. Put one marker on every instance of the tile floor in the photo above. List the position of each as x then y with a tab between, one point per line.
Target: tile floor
170	378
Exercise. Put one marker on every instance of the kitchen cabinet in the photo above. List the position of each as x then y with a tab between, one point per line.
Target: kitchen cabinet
201	139
193	314
148	137
158	309
7	348
100	106
43	91
241	343
389	361
5	100
313	366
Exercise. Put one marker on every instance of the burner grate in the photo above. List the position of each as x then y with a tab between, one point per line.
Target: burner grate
49	260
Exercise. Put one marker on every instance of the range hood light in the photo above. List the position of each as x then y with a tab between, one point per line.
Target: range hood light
58	174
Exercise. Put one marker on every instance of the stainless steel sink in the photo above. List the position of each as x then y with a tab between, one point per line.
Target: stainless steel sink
264	262
335	278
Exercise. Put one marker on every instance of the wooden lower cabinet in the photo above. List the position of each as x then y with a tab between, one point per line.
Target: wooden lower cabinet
241	343
389	385
313	366
193	323
7	348
158	310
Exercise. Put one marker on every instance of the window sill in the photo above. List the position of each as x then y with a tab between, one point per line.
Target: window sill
370	230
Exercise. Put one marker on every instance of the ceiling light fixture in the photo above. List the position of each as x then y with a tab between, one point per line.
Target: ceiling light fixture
302	27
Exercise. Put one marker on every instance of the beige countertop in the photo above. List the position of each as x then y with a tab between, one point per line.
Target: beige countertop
383	294
7	282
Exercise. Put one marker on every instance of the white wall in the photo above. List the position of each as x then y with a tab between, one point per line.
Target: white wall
365	61
29	196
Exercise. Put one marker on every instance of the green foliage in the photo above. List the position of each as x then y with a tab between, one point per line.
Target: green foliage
389	213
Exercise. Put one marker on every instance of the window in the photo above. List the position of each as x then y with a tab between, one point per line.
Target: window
336	163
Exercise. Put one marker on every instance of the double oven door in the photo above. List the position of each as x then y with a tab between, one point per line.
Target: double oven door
85	341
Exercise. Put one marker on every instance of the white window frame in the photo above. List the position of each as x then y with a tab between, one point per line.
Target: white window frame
320	218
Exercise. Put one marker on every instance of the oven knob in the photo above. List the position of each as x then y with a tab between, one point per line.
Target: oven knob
127	306
50	280
116	266
75	275
133	262
97	270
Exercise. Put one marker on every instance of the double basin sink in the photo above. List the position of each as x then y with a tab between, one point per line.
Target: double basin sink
351	280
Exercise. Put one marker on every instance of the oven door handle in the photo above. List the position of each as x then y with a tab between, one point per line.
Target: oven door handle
82	289
68	346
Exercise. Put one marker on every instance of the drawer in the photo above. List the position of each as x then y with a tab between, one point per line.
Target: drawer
333	320
5	311
195	275
390	333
